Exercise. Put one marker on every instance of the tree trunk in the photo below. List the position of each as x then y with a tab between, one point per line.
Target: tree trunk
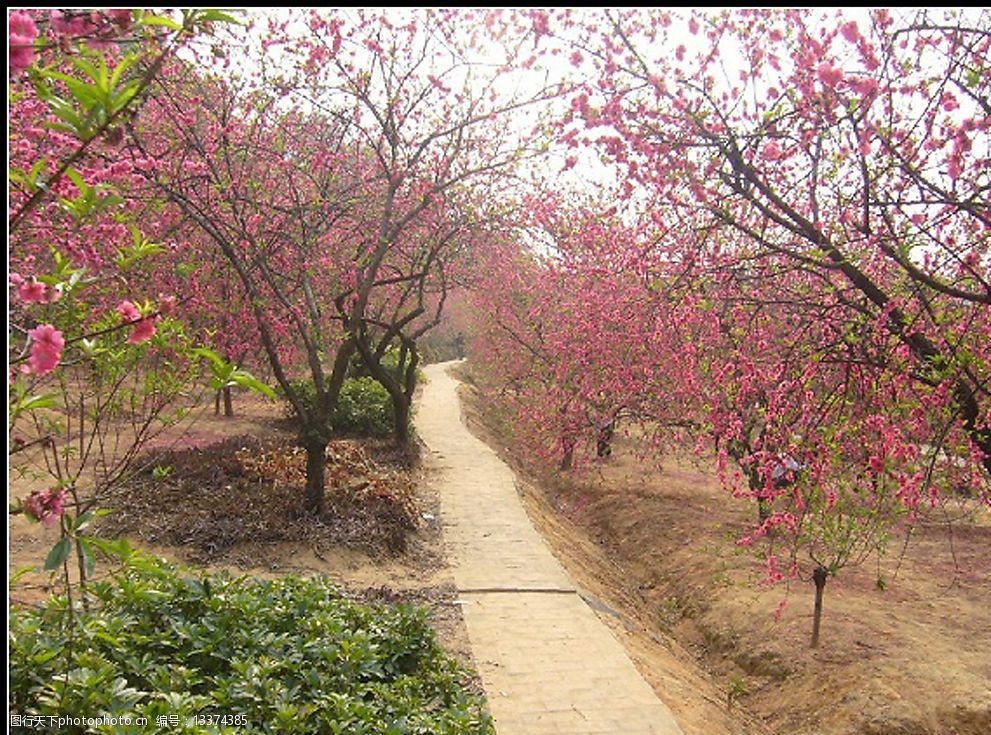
316	461
603	444
400	385
408	373
819	576
315	431
757	487
225	393
569	457
401	416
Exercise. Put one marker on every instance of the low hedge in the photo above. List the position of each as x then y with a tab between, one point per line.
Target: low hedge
286	656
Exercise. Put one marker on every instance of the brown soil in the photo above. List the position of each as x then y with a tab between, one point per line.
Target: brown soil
226	494
656	549
243	490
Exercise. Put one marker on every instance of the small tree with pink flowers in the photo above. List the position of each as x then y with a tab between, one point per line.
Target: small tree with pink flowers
99	365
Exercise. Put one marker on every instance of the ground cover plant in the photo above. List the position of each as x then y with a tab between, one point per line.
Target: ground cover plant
287	656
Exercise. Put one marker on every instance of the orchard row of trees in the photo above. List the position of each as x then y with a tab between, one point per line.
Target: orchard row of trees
179	210
343	209
796	276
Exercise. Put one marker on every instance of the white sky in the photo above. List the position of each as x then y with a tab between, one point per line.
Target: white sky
590	173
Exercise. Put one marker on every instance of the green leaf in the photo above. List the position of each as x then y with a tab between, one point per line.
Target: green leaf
76	178
246	380
59	553
215	359
90	347
122	66
126	93
161	20
89	516
35	172
33	403
117	548
217	16
71	129
86	95
18	574
141	248
88	560
44	656
87	68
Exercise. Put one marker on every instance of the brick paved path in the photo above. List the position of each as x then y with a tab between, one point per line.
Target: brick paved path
548	664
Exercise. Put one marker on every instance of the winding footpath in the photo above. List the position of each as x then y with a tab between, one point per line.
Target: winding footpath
549	666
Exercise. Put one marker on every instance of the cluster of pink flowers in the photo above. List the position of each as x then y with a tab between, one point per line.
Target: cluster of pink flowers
46	506
91	25
773	152
850	31
144	329
121	16
128	311
829	75
71	23
47	342
98	28
46	349
774	573
142	332
33	291
21	33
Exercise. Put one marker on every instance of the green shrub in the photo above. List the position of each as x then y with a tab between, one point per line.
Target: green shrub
307	393
364	407
286	656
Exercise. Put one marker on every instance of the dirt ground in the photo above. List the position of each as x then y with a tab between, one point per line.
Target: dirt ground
226	493
656	547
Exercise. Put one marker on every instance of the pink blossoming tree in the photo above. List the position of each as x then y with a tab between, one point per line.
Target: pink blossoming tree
344	200
814	233
92	378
